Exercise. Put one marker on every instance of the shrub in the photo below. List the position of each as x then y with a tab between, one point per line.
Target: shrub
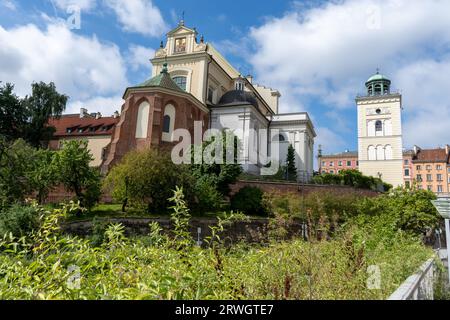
146	178
352	178
19	220
249	200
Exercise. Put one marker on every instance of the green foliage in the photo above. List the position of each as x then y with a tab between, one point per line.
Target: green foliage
13	116
74	172
43	176
222	174
16	162
180	219
146	178
207	197
352	178
291	170
19	220
27	118
249	200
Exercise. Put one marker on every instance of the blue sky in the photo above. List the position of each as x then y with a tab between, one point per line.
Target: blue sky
317	53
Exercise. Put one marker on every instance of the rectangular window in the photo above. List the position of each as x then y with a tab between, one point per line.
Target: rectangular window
439	189
438	167
419	178
357	163
418	168
406	172
349	163
439	177
406	162
340	163
429	177
430	188
428	167
331	171
331	163
324	163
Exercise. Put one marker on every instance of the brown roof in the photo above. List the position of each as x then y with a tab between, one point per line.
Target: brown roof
71	125
432	155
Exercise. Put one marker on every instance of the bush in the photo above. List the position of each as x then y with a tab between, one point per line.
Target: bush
19	220
146	179
249	200
352	178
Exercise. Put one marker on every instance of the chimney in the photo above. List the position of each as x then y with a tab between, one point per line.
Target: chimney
83	113
249	77
447	149
98	115
116	114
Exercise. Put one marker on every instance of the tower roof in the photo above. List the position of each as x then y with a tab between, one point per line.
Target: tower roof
378	77
162	80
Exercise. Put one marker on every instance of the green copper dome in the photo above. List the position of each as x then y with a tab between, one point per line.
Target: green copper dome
378	77
162	80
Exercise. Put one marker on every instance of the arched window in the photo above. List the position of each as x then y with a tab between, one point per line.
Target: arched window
388	152
372	153
388	128
380	153
142	120
181	81
378	89
371	128
379	128
279	138
168	123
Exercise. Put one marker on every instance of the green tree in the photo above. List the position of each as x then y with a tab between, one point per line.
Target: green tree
291	169
73	171
13	116
223	173
16	161
45	102
44	174
146	179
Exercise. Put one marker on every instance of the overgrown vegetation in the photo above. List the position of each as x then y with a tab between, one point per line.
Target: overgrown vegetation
352	178
45	264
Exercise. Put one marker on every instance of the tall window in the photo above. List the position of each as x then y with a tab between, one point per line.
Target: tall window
210	94
180	45
379	127
181	82
168	123
372	153
142	120
380	153
406	172
439	177
388	152
419	178
440	189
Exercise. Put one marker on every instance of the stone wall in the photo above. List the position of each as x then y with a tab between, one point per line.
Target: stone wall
254	230
285	187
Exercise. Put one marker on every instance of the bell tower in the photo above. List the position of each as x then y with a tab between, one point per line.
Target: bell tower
380	145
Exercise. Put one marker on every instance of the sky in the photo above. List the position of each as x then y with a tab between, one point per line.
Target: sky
318	54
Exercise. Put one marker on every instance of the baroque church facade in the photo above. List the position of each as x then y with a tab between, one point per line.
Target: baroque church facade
192	84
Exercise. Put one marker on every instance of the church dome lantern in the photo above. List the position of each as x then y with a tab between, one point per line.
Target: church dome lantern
378	85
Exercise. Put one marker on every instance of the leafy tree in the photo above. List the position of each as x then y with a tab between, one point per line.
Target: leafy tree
249	200
291	170
45	102
353	178
72	164
19	220
44	174
16	160
223	174
146	179
13	116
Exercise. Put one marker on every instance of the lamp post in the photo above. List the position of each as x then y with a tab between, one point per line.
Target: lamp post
442	205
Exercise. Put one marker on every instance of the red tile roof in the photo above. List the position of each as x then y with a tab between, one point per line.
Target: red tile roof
70	124
432	155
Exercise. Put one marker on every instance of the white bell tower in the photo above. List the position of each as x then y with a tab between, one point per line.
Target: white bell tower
380	145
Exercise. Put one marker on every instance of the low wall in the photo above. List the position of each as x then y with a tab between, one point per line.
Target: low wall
253	231
287	187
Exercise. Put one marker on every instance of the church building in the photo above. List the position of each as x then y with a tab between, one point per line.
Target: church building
192	83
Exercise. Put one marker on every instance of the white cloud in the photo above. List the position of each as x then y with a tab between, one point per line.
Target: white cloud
81	67
326	53
9	4
85	5
138	57
105	105
139	16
